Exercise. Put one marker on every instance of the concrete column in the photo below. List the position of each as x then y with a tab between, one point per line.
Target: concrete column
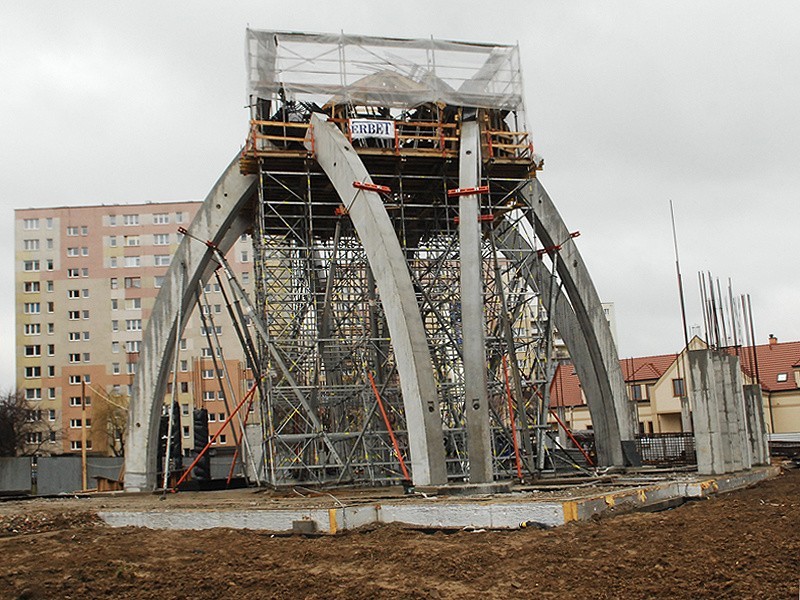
756	425
707	435
476	397
343	166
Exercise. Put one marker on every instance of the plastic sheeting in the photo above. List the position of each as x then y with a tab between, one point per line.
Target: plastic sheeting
384	72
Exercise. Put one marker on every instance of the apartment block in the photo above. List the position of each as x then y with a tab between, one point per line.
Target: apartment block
86	279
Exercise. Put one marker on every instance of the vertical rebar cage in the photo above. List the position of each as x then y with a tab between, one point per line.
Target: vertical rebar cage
339	416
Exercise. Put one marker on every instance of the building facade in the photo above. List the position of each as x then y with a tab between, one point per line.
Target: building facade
657	383
86	279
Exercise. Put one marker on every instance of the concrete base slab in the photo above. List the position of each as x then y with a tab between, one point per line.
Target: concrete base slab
467	489
502	512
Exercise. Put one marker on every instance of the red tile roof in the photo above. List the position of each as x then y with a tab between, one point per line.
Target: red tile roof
566	389
773	359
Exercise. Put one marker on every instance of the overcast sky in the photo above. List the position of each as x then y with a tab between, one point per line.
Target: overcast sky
630	103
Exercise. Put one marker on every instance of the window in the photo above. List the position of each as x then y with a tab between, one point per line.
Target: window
51	414
112	220
133	346
49	243
184	387
212	418
51	372
220	395
112	262
75	423
49	222
51	328
130	219
161	219
636	393
161	260
222	416
131	240
179	217
51	307
114	304
75	445
33	328
84	230
184	409
33	393
74	336
30	265
30	245
32	308
133	325
204	331
72	231
72	294
74	315
33	416
223	438
33	350
50	286
73	251
49	264
84	314
133	261
245	277
112	241
114	283
158	281
161	239
84	271
131	368
31	287
75	357
87	357
51	349
244	256
184	365
33	372
34	437
114	325
52	436
208	373
73	273
115	346
678	389
75	380
134	303
115	369
84	251
51	393
30	224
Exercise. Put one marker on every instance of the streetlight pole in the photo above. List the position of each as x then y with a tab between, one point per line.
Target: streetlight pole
84	481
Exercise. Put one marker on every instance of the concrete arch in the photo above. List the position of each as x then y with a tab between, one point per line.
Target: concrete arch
602	408
601	352
219	220
339	160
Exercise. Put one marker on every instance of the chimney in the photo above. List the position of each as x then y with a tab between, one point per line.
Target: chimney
772	340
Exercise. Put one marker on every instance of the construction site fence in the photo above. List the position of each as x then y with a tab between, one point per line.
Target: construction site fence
667	449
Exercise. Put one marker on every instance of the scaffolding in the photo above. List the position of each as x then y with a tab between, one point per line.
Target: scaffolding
323	420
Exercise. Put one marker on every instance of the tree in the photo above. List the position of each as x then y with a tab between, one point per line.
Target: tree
23	430
110	423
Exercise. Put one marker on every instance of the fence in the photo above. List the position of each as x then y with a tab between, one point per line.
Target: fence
667	449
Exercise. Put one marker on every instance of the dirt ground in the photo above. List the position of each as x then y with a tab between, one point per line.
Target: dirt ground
740	545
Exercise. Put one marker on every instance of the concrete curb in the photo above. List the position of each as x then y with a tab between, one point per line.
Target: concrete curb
437	513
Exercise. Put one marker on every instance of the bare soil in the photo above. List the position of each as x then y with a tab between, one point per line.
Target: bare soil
740	545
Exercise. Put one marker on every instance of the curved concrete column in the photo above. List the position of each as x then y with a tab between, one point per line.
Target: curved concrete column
340	162
219	221
516	248
588	310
